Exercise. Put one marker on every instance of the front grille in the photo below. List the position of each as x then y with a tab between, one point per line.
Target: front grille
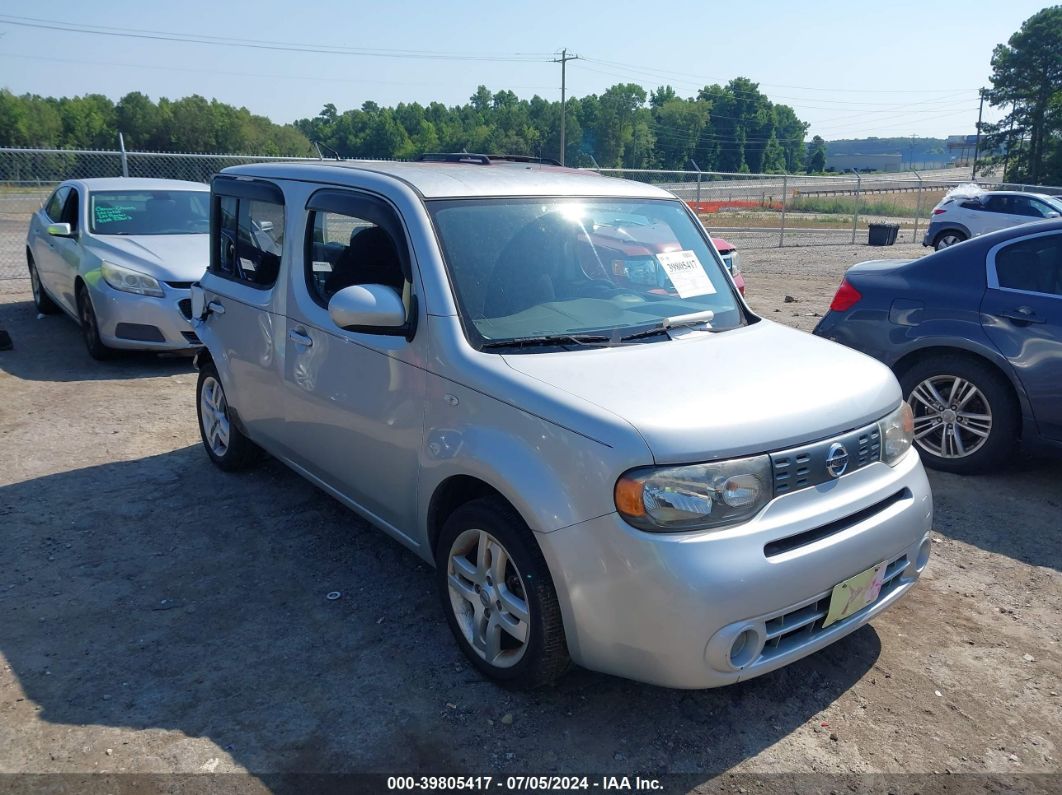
185	305
180	285
800	625
805	466
191	337
782	545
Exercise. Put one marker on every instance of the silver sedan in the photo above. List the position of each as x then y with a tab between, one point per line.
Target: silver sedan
119	256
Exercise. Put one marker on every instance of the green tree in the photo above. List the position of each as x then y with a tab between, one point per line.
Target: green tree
816	155
1027	78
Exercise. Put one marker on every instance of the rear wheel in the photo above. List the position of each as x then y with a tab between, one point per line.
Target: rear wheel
45	305
90	329
965	413
948	238
498	595
226	445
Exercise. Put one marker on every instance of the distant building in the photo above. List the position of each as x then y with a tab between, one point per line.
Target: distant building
961	148
889	162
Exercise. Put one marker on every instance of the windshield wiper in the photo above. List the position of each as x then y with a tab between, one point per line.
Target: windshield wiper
546	339
668	323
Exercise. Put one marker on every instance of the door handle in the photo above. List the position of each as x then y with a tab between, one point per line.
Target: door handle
215	308
1022	314
300	339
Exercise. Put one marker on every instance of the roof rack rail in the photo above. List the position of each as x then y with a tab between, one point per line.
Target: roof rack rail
545	161
452	157
482	160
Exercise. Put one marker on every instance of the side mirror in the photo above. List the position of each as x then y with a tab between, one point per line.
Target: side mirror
1053	215
265	226
60	230
374	308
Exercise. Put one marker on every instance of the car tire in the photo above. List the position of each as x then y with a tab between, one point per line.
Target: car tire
948	238
90	330
45	305
966	414
224	443
494	586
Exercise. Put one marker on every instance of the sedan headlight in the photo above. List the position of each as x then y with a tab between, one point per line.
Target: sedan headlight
130	281
897	434
695	497
735	263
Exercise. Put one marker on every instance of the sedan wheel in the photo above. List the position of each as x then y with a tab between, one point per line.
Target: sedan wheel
487	597
90	328
966	415
45	305
953	419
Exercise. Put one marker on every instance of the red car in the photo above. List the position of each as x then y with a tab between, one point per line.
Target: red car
628	253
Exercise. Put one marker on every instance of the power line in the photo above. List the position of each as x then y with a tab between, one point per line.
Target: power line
187	38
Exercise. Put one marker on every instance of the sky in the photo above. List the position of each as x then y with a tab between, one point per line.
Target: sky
851	69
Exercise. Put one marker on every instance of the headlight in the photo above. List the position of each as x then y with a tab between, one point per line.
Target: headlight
130	281
696	497
897	434
735	263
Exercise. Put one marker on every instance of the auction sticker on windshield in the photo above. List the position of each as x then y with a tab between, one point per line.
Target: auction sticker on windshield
686	273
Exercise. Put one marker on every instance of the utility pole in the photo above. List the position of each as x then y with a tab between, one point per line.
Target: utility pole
563	61
977	140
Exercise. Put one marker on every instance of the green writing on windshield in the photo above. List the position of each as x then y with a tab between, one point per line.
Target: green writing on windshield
106	214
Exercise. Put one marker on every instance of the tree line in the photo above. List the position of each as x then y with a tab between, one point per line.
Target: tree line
723	128
1027	81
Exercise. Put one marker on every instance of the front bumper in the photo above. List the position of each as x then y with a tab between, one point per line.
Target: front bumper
142	322
659	607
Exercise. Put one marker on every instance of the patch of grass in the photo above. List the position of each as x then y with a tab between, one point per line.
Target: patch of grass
840	205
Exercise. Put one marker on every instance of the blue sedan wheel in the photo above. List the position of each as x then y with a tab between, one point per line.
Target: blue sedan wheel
965	413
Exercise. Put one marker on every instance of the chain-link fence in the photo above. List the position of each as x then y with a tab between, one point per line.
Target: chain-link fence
771	210
28	176
749	210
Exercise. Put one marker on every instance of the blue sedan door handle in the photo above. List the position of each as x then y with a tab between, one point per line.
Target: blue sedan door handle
1022	315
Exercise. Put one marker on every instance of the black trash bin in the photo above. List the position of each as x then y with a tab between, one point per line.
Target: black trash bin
882	234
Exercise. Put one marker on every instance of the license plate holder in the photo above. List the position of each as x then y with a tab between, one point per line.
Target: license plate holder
855	593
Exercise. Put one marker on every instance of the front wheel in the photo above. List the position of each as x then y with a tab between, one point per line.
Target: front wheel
90	328
965	413
947	239
498	595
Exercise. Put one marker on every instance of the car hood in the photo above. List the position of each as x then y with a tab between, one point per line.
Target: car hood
176	258
707	396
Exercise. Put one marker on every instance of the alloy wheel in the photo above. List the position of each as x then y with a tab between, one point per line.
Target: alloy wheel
35	285
949	240
952	416
215	422
488	598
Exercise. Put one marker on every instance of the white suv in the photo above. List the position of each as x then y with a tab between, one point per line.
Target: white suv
958	218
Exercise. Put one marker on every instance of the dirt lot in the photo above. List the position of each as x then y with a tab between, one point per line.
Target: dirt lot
157	615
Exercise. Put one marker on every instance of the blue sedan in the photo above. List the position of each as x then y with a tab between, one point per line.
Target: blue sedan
974	335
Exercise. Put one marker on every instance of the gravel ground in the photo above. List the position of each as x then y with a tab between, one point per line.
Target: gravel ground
159	616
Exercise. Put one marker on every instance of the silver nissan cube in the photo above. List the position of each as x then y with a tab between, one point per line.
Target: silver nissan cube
544	382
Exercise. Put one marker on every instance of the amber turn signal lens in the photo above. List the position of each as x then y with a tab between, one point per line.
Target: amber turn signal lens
629	497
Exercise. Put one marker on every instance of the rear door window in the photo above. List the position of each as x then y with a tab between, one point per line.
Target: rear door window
1032	265
248	238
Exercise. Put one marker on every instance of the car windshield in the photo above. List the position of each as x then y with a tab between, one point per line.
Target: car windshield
1055	202
594	270
149	212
